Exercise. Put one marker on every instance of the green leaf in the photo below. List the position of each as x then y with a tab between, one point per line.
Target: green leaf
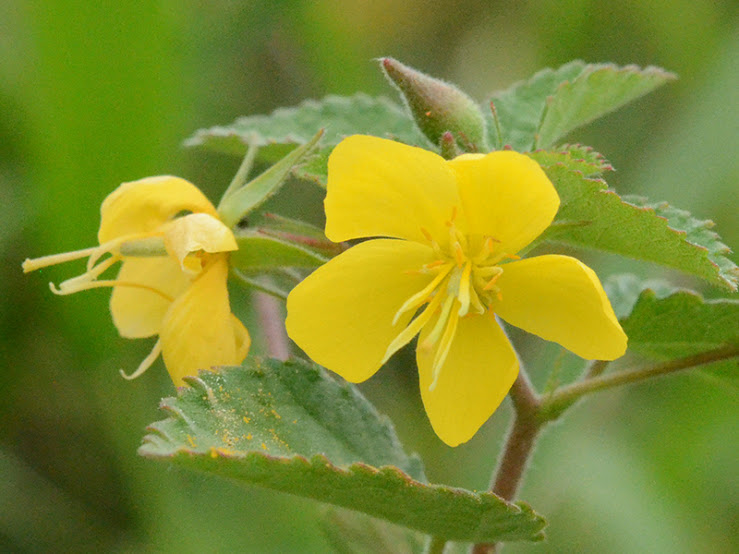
665	323
259	252
535	113
284	128
623	291
592	216
253	194
598	90
293	428
681	323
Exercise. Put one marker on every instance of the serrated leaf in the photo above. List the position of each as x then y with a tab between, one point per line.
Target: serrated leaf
535	113
623	291
592	216
664	323
583	158
293	428
681	323
599	89
341	116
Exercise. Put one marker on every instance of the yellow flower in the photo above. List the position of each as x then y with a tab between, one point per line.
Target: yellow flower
172	280
460	224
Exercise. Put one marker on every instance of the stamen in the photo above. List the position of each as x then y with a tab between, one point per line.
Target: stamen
464	289
54	259
434	264
492	281
443	351
103	249
420	297
427	234
146	247
405	336
78	283
102	284
146	363
113	246
476	302
435	333
458	254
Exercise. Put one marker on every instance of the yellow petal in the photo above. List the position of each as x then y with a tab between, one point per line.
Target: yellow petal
143	206
478	373
194	233
342	314
379	187
138	312
199	331
561	299
507	196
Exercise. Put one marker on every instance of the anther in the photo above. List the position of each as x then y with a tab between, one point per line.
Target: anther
458	254
492	281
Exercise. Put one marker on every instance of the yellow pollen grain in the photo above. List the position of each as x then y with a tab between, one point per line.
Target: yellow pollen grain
249	437
458	254
434	264
277	416
264	446
247	419
492	281
191	441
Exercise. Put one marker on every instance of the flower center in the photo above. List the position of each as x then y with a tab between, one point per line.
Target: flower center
465	275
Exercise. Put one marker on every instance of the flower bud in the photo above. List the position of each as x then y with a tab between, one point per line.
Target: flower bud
438	107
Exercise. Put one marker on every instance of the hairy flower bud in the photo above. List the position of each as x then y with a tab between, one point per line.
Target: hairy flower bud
438	107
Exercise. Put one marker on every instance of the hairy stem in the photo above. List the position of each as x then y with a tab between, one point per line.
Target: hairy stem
272	324
561	399
518	448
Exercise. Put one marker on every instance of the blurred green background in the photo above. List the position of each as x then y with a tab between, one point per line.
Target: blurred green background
96	93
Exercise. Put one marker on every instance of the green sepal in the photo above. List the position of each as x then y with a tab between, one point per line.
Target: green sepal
291	427
438	107
259	252
241	202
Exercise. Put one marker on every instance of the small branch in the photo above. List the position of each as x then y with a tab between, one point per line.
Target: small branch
271	323
554	405
523	395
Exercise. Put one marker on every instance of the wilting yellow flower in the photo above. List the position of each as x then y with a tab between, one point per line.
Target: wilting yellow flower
461	223
172	280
